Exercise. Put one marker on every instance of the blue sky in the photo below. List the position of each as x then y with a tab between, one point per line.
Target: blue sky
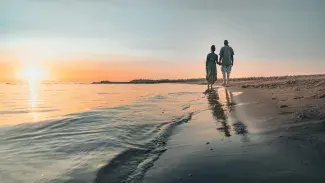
288	32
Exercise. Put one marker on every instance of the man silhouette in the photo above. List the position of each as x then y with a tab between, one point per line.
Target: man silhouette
227	61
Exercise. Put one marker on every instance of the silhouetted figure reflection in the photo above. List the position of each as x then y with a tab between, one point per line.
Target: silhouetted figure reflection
229	100
218	112
222	104
239	127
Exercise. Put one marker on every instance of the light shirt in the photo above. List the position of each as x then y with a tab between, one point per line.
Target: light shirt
227	54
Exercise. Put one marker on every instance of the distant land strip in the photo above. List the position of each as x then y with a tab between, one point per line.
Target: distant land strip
202	80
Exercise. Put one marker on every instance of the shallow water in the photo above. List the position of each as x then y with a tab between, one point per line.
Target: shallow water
69	132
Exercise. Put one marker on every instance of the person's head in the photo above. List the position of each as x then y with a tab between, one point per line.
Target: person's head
213	48
226	43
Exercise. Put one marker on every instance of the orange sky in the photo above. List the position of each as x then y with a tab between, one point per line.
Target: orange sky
123	68
113	68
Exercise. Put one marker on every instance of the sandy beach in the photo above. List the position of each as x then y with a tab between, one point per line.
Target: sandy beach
255	130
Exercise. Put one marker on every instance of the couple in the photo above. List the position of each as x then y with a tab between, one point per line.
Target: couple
226	61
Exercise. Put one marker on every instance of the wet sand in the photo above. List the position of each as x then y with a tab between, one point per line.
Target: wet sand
253	131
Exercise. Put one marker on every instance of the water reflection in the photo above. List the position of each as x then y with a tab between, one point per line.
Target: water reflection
241	129
218	112
222	107
33	99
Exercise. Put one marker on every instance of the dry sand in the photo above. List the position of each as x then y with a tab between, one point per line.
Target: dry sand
256	130
304	96
301	96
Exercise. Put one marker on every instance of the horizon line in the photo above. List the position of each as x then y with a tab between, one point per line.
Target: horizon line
152	79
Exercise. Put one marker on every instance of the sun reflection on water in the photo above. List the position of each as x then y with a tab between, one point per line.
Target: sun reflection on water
33	85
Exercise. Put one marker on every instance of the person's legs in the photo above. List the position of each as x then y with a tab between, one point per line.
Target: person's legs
224	78
228	76
223	70
228	73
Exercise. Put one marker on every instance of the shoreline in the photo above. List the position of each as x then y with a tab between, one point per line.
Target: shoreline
259	131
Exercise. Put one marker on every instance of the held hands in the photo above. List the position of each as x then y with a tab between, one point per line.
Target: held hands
219	63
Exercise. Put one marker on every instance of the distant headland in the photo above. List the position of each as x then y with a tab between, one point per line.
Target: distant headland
203	81
152	81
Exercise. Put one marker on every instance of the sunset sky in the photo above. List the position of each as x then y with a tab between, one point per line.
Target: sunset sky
87	40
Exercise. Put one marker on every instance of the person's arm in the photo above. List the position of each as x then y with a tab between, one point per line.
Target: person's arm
221	55
206	63
232	57
232	60
217	62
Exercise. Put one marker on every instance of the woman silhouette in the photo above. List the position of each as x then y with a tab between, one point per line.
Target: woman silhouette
211	67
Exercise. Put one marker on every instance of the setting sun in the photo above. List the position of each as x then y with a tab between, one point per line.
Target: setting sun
33	74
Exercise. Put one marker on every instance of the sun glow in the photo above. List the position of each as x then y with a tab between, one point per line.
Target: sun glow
33	74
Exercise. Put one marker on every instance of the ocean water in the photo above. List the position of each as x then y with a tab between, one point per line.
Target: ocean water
76	133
